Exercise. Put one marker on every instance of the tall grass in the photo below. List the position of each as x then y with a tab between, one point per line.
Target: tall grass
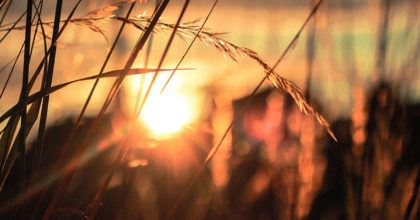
214	39
48	185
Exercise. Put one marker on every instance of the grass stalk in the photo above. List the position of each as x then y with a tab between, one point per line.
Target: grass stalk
11	71
189	46
23	95
146	63
45	85
13	26
37	150
9	3
413	198
165	52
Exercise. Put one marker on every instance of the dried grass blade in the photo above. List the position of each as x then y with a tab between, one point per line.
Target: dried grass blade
114	73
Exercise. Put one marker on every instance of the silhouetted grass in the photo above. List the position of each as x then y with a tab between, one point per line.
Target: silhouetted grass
52	183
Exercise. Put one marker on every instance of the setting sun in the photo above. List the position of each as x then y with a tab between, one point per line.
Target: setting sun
167	114
136	109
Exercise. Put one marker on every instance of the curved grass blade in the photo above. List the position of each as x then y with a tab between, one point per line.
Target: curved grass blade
115	73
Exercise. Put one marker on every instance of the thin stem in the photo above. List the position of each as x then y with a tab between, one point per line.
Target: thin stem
23	95
11	71
146	63
14	25
413	198
46	84
165	52
189	47
5	11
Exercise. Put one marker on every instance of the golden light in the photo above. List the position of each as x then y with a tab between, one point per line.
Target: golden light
167	114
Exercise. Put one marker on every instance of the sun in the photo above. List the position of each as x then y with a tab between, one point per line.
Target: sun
167	114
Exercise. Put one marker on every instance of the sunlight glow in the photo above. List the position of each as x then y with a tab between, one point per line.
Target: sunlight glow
167	114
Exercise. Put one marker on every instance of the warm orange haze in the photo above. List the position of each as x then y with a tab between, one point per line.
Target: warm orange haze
239	109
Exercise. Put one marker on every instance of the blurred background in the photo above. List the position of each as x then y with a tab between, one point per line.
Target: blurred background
356	61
